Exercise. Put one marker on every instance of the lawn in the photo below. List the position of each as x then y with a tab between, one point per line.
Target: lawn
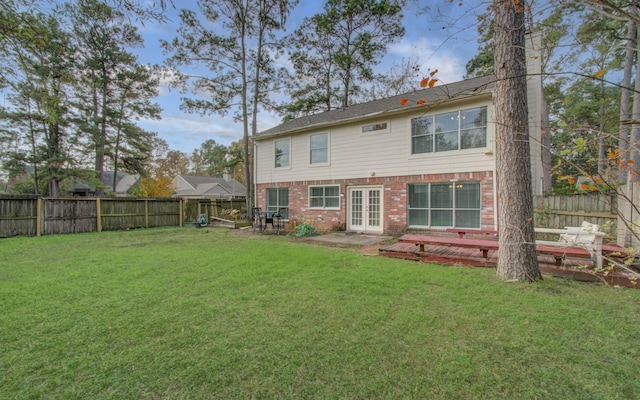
185	313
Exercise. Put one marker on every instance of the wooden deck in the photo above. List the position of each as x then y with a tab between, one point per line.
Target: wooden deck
484	253
554	260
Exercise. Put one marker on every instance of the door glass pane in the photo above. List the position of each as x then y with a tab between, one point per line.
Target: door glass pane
356	208
374	208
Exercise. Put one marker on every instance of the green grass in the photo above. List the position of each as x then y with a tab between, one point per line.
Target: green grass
201	313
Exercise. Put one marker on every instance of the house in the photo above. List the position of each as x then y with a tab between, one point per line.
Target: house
124	182
384	167
208	187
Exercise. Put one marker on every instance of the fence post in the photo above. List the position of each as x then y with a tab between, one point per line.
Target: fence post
98	216
146	213
181	210
39	216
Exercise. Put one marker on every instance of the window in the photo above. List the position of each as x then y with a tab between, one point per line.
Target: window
380	126
452	204
324	196
319	145
457	130
282	153
278	199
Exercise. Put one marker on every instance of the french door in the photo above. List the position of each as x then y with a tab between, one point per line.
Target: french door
364	208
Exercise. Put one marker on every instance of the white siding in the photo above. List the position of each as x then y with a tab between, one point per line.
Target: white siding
534	100
354	154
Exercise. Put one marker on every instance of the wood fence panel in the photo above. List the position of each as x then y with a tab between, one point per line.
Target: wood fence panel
163	213
122	214
72	215
18	216
571	210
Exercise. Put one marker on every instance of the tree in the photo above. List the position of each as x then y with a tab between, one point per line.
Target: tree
113	88
158	186
333	52
209	159
240	73
399	78
135	87
517	258
37	71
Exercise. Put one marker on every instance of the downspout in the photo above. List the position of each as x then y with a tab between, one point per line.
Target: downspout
255	174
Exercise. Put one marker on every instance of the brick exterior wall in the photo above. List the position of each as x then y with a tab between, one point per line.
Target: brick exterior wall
394	197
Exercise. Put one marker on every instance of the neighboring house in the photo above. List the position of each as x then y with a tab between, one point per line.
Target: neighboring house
383	167
207	187
124	182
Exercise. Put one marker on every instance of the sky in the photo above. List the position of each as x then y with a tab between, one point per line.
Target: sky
444	38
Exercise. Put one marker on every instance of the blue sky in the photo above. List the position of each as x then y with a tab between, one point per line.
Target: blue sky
443	39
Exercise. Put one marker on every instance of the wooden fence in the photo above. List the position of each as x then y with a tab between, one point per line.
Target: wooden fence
30	216
560	211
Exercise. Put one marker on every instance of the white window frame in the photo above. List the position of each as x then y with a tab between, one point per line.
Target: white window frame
321	163
459	131
275	148
271	208
453	185
324	197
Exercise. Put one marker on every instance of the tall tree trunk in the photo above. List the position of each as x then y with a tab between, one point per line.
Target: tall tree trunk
625	96
245	111
517	258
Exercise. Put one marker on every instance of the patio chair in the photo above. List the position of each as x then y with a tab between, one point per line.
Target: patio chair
258	219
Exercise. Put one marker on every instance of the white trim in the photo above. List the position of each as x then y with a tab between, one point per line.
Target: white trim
324	163
288	166
365	227
324	186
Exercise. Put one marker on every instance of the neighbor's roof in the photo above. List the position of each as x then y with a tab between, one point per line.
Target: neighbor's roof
390	105
212	186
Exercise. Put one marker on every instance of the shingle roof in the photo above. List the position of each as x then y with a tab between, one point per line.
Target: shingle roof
205	184
390	105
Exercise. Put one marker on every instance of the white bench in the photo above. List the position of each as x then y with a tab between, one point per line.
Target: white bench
588	236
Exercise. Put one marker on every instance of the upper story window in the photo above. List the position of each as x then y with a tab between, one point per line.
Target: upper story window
319	148
380	126
282	153
457	130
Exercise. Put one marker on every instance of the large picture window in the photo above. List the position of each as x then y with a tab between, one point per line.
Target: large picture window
278	199
319	145
446	205
457	130
282	153
324	196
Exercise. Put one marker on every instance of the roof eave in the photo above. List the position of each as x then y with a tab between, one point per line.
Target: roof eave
396	111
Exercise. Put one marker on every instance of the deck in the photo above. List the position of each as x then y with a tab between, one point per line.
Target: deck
555	260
